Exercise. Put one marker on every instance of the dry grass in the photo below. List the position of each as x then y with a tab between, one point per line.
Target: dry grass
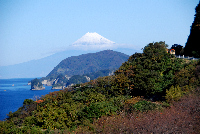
182	117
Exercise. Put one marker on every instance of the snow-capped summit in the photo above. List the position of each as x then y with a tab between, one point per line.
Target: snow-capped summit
92	39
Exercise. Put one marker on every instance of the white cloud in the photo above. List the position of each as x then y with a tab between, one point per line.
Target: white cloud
86	47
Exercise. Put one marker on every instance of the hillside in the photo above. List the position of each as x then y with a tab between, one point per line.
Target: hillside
152	92
88	63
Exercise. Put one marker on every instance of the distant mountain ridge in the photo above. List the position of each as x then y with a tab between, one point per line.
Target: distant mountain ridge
88	63
89	43
36	68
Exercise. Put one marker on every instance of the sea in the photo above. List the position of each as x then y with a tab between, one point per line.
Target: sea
13	92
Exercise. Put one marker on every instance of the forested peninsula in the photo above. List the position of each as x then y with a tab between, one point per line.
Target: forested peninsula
81	69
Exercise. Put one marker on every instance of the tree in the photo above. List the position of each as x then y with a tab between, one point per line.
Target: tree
152	72
192	47
178	49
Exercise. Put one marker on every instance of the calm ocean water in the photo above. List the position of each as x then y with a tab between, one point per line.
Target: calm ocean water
13	92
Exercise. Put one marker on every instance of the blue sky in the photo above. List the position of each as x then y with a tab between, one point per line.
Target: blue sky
32	29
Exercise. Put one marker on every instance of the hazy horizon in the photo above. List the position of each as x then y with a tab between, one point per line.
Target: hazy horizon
35	29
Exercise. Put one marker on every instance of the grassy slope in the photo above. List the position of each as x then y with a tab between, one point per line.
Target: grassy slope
181	117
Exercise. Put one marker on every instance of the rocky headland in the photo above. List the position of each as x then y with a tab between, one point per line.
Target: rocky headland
36	85
37	88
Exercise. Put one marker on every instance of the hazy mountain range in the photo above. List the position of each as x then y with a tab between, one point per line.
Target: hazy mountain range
89	43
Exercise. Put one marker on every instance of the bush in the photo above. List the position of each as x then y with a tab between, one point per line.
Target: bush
182	117
96	110
174	94
27	101
144	106
118	101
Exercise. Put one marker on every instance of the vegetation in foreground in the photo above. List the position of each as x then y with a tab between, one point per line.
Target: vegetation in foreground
151	92
182	116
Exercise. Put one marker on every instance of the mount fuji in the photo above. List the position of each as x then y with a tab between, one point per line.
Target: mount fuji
89	43
93	41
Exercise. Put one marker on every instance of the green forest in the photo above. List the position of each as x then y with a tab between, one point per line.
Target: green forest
88	63
141	97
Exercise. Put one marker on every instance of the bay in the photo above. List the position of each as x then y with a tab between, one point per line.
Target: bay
13	92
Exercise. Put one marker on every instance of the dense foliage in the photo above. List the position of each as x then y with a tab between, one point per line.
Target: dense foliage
152	72
88	63
144	78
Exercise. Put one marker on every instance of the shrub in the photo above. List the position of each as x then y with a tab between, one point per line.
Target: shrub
144	106
118	101
182	117
133	100
27	101
174	93
96	110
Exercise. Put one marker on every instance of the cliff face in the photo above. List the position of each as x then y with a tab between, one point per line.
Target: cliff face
47	82
58	87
